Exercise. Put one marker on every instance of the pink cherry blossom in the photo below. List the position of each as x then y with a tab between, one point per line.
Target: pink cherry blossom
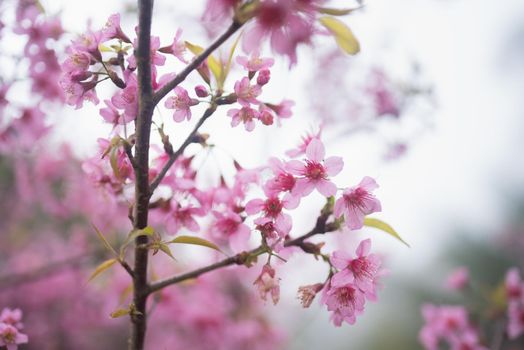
10	337
458	279
346	302
112	115
267	283
181	217
307	294
246	115
357	202
112	29
177	48
515	315
271	209
361	271
283	180
127	99
181	103
263	77
306	139
514	285
229	226
246	93
12	317
314	171
255	63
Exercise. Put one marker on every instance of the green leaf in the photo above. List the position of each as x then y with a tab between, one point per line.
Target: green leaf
101	268
227	67
164	247
113	160
381	225
336	12
146	231
214	65
343	35
196	241
119	313
104	240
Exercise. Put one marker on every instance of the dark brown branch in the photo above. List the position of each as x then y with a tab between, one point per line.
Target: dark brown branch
242	258
174	156
141	205
180	77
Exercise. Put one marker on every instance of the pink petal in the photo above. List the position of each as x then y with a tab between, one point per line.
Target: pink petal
303	187
368	183
339	207
315	150
254	206
342	278
239	240
364	247
326	188
333	165
340	259
295	167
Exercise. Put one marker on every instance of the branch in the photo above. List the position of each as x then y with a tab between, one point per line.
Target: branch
242	258
180	77
174	156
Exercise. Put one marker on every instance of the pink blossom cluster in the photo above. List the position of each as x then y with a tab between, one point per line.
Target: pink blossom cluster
357	279
10	329
448	325
285	24
515	297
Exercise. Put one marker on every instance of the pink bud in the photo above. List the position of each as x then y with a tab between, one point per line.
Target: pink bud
201	91
263	77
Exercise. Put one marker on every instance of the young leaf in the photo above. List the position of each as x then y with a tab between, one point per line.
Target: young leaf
146	231
119	313
214	65
163	247
113	160
336	12
104	240
381	225
196	241
101	268
343	35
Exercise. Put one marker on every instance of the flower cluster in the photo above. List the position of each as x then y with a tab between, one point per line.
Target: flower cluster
10	329
449	325
357	278
515	297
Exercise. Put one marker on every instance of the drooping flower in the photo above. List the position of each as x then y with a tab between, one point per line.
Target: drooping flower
357	202
267	283
177	48
246	93
314	171
246	115
307	294
361	271
346	302
181	103
255	63
10	337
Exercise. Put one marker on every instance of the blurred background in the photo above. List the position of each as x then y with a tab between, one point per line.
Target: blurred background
432	108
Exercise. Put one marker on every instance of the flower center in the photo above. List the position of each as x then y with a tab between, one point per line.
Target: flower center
315	170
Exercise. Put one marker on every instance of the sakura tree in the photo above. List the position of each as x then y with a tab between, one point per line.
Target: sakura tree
146	193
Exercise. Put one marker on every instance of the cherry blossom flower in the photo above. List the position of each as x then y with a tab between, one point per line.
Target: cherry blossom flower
177	48
229	226
255	63
265	115
346	302
246	93
112	29
181	217
267	283
515	315
306	139
307	294
357	202
181	103
157	59
283	180
271	209
10	337
246	115
362	271
127	99
458	279
513	284
12	317
448	324
219	9
315	170
112	115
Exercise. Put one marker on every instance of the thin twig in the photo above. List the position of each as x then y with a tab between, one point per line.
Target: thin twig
180	77
239	259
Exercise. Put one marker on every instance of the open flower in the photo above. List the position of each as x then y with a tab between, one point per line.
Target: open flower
315	170
181	103
10	337
357	202
268	283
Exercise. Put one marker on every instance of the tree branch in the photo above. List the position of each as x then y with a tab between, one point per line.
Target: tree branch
174	156
180	77
141	205
241	258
